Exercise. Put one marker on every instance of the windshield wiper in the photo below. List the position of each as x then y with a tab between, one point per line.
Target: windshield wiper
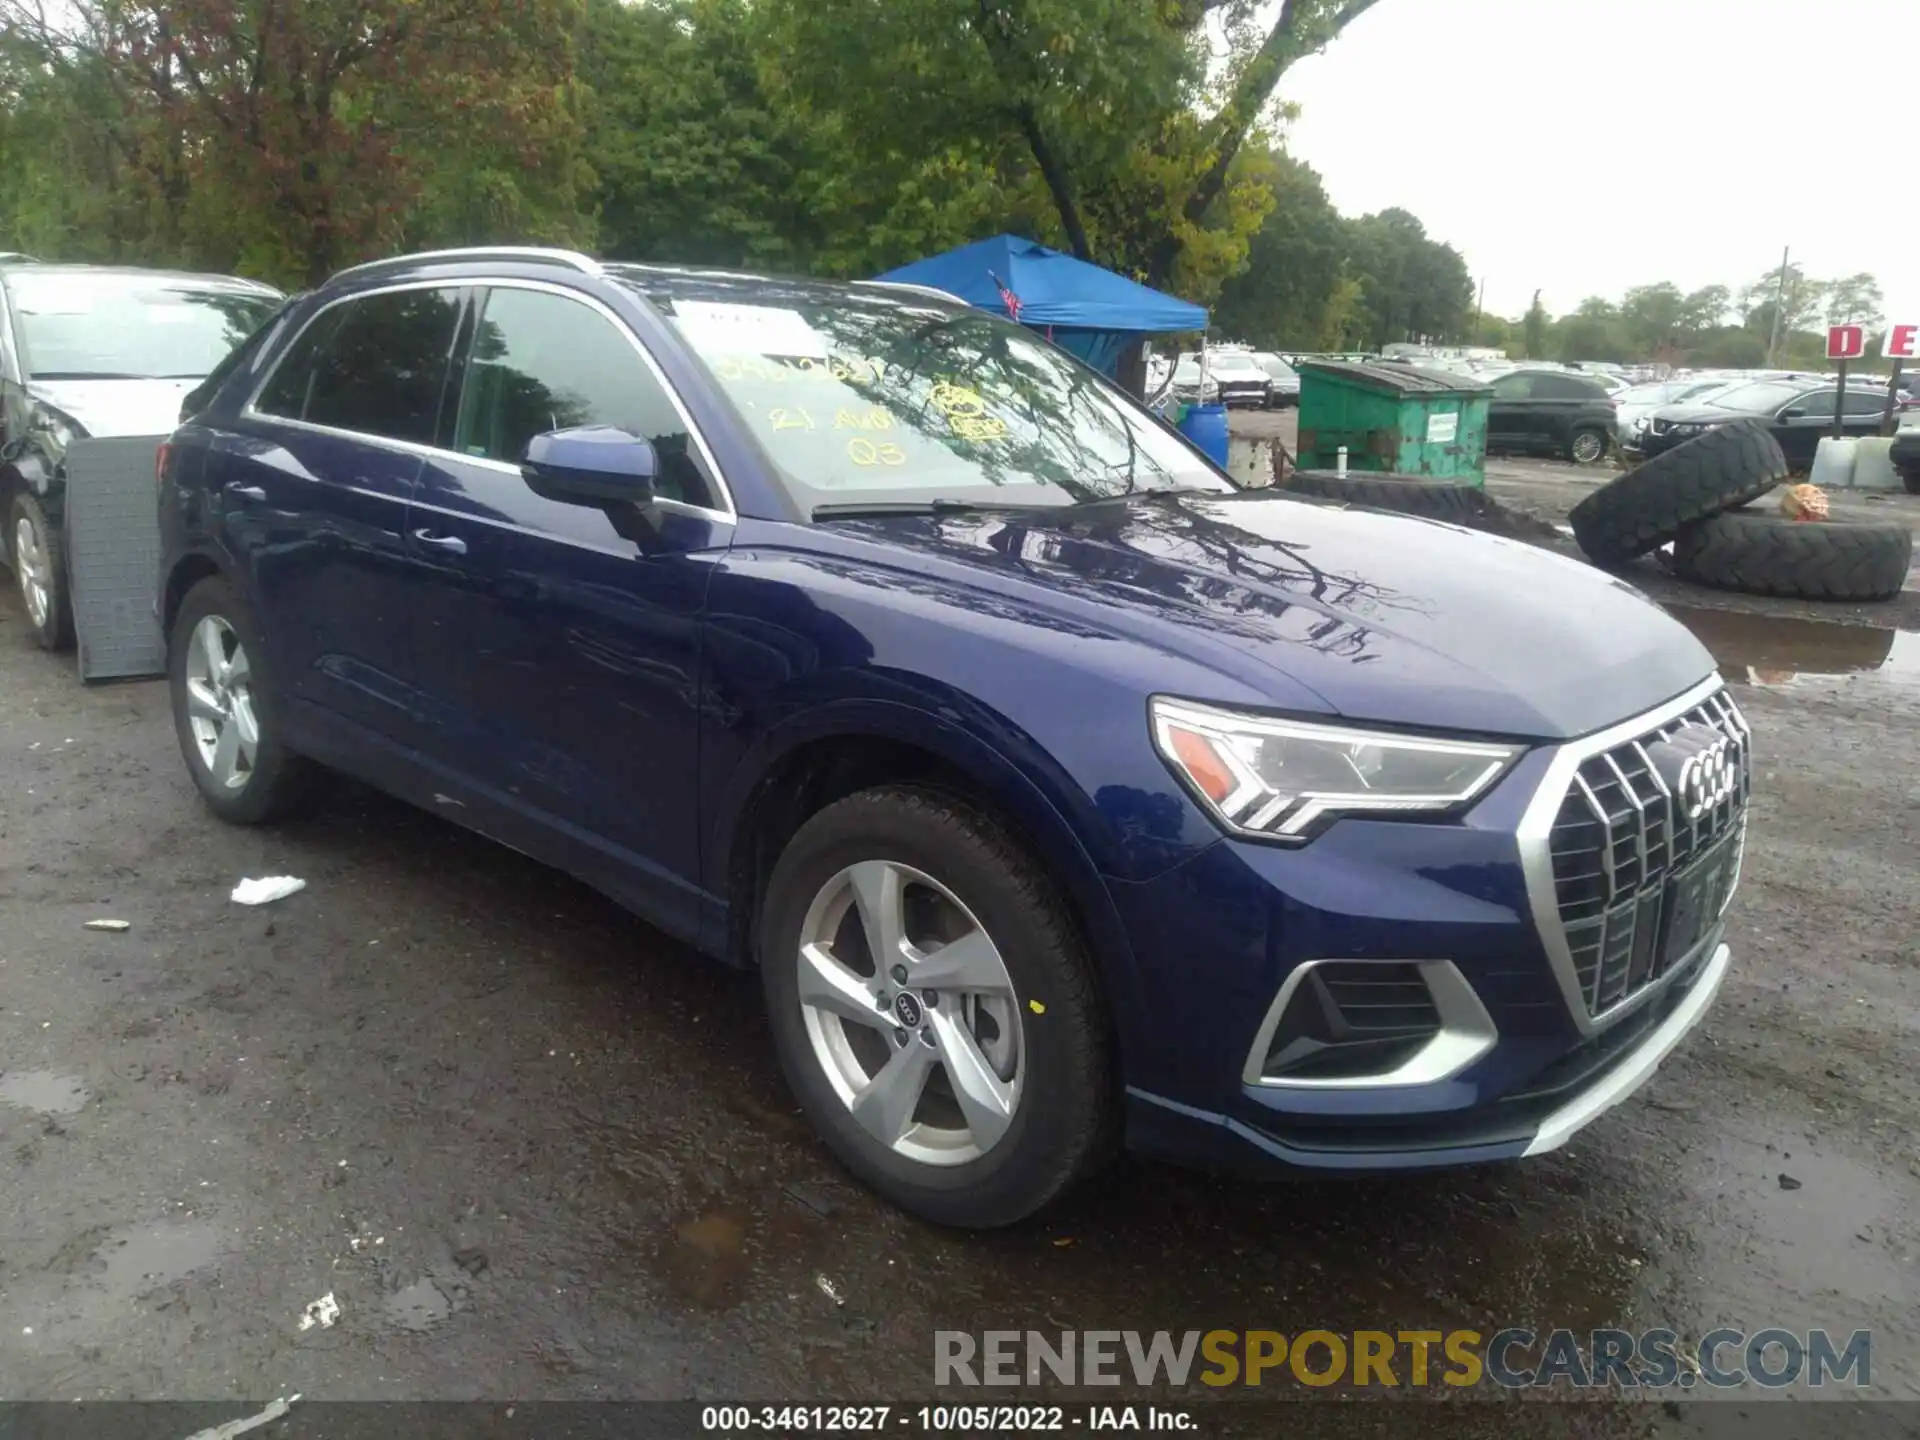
862	509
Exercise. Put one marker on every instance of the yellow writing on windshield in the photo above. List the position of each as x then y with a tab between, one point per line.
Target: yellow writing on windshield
875	419
966	413
864	452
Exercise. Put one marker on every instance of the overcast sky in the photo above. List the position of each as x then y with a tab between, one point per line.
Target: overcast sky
1583	148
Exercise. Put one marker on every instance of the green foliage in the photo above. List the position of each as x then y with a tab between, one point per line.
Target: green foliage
286	138
1314	280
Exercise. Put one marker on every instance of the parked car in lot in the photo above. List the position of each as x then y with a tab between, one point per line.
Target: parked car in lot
1241	379
95	351
1285	389
1551	412
1798	412
1193	385
867	640
1634	410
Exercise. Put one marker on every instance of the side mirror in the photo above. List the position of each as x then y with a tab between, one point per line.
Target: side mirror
591	465
1794	412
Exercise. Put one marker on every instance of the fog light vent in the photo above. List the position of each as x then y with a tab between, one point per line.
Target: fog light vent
1350	1019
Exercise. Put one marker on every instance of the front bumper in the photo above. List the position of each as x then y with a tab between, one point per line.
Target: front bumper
1523	1126
1539	1048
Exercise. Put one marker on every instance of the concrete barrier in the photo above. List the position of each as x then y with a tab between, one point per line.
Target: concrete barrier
1250	461
1873	466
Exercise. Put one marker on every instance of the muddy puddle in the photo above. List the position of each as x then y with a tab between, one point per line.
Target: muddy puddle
1779	650
43	1091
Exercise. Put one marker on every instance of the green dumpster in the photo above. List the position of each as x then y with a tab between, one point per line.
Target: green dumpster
1394	419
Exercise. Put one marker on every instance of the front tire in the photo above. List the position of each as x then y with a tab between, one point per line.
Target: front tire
226	713
40	570
934	1010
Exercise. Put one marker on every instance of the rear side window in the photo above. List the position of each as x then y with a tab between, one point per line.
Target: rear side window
1865	402
376	365
1566	387
543	362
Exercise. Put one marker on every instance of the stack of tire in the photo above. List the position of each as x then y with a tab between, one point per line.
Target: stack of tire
1697	497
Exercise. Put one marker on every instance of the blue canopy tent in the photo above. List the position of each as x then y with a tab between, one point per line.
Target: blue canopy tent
1080	307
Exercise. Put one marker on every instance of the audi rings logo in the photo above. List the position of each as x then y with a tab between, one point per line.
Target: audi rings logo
1700	766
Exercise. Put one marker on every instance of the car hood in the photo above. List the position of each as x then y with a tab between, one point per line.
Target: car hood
108	408
1384	618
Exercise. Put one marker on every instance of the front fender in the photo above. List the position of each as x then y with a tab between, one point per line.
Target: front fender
1008	771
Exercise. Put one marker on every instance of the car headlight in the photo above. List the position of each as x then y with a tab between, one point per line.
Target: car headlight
1285	779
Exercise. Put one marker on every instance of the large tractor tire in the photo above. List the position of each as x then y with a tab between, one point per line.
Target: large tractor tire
1728	466
1800	560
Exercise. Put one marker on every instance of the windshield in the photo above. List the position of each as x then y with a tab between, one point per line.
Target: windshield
888	402
1767	395
76	326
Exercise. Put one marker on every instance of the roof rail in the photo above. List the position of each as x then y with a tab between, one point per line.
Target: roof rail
911	288
526	254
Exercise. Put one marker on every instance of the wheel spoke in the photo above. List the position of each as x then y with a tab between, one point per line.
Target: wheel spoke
878	891
885	1106
226	754
248	728
203	702
213	652
239	669
972	963
826	984
985	1099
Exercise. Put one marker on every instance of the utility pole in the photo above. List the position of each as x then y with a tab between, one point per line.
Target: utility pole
1779	304
1479	308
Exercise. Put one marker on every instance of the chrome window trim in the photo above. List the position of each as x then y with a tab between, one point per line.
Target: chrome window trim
250	411
482	254
1536	856
1466	1032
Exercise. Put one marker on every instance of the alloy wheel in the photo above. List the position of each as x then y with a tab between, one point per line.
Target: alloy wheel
1587	447
34	570
911	1013
220	708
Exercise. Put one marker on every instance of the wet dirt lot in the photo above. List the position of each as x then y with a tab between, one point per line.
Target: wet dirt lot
533	1150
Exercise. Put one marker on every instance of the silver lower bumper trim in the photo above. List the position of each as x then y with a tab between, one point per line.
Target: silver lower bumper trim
1632	1072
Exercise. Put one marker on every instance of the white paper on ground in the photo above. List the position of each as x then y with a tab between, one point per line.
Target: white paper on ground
266	890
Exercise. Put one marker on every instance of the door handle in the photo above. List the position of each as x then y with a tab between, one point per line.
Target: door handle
252	494
452	544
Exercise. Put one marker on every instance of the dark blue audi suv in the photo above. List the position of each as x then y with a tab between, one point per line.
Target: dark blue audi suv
1064	795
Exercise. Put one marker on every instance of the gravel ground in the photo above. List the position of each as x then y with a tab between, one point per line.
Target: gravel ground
534	1150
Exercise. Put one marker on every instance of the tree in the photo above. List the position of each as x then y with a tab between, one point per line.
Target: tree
1294	266
1703	309
1856	300
297	134
1534	329
1651	317
1099	106
1798	299
1593	332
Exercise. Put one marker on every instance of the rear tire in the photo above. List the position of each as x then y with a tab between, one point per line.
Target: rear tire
227	713
40	571
984	1090
1588	447
1795	559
